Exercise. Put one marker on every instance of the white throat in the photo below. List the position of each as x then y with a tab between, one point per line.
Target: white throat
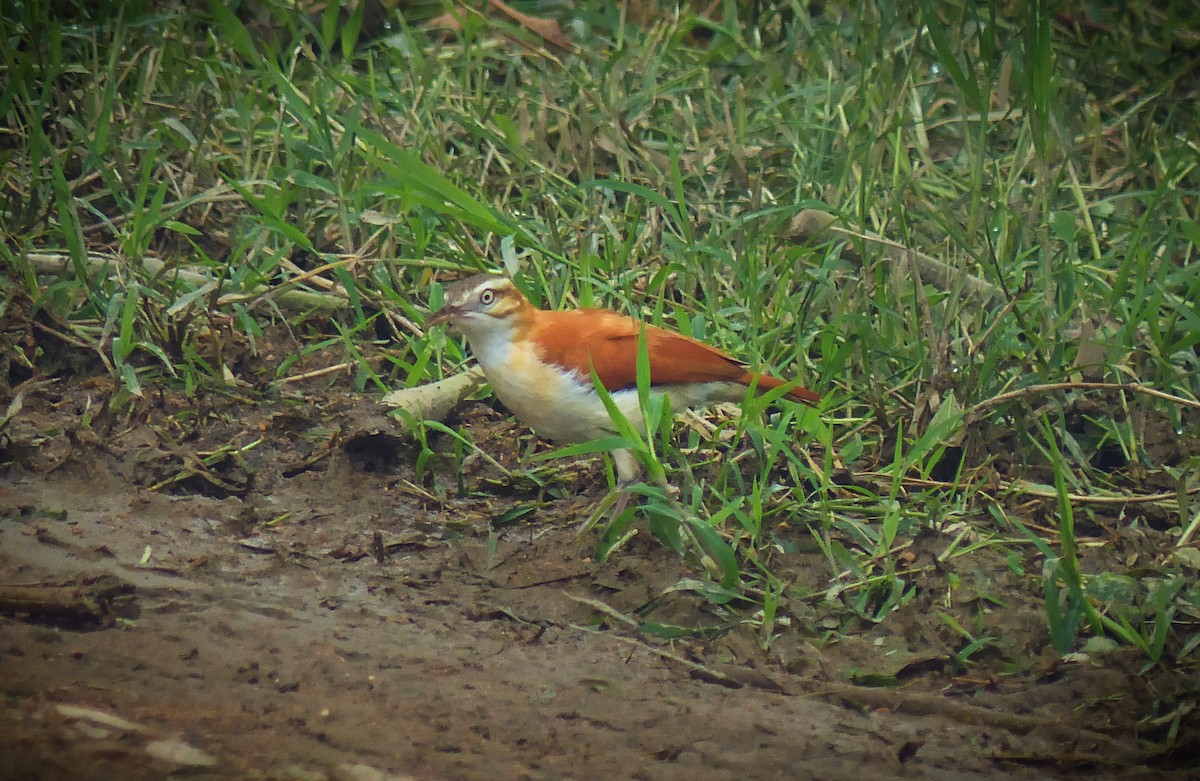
490	338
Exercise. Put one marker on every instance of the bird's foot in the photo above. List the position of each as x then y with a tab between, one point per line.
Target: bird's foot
612	505
629	474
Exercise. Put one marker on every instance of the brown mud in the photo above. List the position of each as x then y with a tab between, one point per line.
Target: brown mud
254	587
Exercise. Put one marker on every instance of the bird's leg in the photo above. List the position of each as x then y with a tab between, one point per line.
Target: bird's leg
629	473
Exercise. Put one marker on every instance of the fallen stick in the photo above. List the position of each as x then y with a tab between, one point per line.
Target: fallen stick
88	601
296	300
809	224
435	400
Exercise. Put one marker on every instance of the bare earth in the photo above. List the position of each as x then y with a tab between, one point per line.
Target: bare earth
303	610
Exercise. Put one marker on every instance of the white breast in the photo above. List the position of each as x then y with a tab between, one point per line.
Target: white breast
557	404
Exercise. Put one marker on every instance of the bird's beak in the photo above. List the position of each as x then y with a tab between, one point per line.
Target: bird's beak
444	315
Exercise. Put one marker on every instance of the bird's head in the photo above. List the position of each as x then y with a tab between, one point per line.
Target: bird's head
480	303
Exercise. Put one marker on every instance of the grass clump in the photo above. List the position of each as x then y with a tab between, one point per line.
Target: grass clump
998	295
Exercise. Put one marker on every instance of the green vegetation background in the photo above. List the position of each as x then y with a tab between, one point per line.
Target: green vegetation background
1004	316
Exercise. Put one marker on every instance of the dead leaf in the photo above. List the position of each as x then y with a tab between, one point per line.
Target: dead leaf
179	753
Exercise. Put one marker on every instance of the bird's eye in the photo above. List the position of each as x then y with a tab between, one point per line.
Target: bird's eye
487	297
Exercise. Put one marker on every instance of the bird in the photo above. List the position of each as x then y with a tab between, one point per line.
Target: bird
539	363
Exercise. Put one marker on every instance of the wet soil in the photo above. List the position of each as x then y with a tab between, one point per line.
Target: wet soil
265	587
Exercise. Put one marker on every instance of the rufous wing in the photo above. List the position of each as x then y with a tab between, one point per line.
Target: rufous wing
579	339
